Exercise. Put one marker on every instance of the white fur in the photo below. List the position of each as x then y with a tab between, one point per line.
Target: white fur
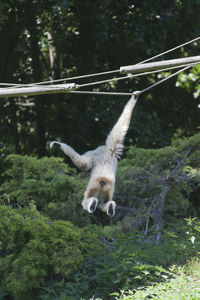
102	162
105	207
87	203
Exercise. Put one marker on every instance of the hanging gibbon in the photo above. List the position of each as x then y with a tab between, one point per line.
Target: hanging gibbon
102	163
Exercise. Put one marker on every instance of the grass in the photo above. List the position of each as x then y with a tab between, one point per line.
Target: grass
184	285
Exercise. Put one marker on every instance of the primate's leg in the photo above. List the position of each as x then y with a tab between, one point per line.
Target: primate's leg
108	205
90	200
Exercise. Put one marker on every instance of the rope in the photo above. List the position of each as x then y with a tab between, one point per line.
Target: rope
63	79
170	50
101	73
118	70
140	92
8	84
166	78
103	81
128	76
127	94
101	93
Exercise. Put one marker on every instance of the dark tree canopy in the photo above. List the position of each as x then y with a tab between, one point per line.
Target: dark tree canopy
42	40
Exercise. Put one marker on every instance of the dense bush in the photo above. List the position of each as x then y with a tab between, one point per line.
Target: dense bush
183	285
121	263
41	255
34	250
49	183
138	173
170	176
57	190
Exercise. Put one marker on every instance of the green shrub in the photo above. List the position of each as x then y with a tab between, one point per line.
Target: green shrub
183	285
144	174
50	184
123	264
34	250
38	254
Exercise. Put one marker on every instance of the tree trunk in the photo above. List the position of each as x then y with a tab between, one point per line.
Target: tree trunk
158	216
53	57
37	76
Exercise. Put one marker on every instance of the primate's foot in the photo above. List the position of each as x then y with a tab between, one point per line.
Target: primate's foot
111	205
90	204
109	208
55	144
92	207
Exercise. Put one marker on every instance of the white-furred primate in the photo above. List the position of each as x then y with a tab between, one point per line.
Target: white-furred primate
102	162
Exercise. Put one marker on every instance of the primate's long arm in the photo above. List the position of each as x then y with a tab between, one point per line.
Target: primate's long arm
115	139
83	162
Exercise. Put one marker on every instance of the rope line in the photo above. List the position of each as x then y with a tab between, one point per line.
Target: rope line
9	84
141	92
128	94
60	80
166	78
76	86
129	76
101	73
118	70
107	80
101	93
170	50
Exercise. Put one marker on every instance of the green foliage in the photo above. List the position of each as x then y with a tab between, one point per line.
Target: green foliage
145	173
182	286
190	81
48	183
44	258
34	250
123	264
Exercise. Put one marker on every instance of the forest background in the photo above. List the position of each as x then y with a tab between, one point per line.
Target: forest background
49	247
42	40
